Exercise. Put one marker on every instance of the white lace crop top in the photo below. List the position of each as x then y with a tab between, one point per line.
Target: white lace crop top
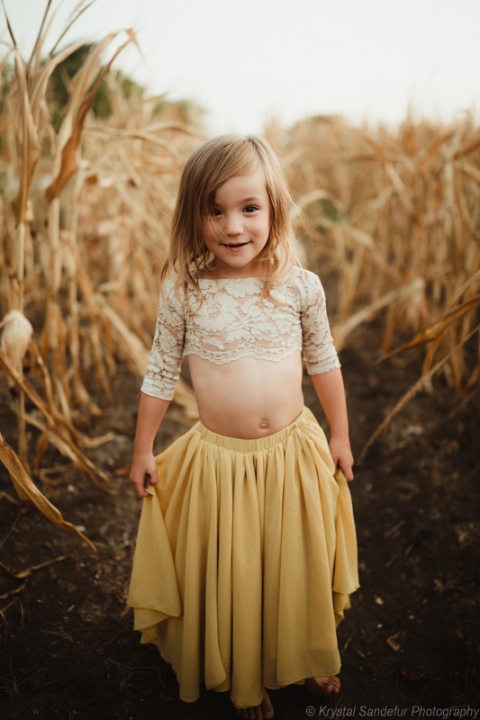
232	323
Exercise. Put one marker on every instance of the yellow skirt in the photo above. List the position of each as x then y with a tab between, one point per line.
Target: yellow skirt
245	558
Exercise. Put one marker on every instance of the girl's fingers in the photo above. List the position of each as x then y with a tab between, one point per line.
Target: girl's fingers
345	466
139	488
141	480
143	473
152	477
346	469
342	456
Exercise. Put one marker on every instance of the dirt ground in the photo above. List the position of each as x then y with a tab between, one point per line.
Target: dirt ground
410	643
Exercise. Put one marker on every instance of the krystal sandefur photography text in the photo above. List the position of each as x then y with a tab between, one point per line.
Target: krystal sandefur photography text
417	711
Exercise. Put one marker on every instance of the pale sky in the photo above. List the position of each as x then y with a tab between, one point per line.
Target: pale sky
245	61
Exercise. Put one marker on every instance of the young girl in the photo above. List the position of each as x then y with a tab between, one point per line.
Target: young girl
246	550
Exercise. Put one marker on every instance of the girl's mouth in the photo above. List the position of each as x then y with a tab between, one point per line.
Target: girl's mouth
236	246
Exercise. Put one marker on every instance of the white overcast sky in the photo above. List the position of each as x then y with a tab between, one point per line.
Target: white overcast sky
248	60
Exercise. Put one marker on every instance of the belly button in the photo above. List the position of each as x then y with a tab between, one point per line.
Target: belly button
263	425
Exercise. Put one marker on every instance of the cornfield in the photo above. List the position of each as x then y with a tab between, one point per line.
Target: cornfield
392	215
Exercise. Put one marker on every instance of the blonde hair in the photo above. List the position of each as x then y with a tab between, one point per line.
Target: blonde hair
208	167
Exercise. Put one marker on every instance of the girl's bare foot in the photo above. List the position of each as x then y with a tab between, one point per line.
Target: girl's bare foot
258	712
323	686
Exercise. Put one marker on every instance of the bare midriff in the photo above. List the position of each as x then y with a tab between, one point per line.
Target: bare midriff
248	398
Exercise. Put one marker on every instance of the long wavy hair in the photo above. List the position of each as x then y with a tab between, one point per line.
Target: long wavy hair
207	168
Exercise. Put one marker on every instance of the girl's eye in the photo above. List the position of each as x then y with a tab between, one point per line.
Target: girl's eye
217	213
250	208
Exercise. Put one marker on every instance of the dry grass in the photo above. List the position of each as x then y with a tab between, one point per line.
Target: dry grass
84	225
393	215
392	210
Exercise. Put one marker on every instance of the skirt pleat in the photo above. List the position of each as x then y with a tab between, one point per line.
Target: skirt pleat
245	559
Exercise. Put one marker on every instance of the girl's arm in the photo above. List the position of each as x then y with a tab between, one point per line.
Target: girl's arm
150	414
161	374
331	393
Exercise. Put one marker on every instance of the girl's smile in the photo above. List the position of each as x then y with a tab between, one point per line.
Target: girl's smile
234	248
237	229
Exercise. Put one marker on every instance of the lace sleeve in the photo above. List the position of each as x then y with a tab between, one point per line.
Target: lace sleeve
163	367
318	348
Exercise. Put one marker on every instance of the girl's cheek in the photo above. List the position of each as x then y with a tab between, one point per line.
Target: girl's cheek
208	231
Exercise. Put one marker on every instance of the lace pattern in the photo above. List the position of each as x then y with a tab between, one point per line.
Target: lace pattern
232	322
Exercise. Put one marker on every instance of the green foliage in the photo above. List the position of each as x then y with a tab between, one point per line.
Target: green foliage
62	76
183	110
6	75
329	210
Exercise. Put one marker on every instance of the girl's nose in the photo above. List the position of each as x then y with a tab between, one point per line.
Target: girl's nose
232	225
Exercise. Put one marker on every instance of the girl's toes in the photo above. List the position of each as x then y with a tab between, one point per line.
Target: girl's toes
320	687
264	711
267	707
335	684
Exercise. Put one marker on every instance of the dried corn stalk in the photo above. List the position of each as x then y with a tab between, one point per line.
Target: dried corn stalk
384	208
28	491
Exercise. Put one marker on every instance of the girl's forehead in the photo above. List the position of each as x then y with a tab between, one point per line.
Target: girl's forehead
252	184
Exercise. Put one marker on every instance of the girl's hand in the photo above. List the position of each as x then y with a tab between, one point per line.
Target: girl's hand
342	456
331	393
144	468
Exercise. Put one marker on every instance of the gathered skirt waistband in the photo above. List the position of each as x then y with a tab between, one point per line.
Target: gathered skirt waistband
253	445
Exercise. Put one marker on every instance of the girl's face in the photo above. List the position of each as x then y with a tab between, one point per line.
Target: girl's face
238	229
